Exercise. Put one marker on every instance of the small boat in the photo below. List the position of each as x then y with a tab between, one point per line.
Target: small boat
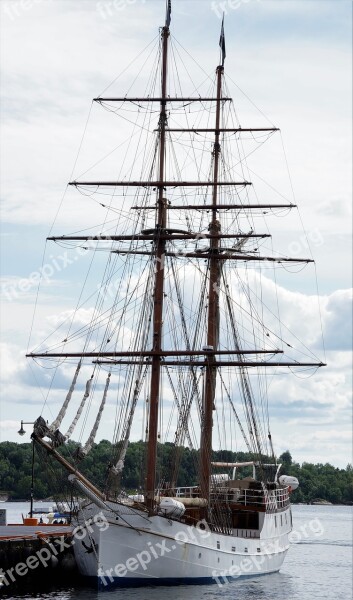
176	336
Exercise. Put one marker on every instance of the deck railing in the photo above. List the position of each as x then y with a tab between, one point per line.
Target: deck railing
271	500
277	499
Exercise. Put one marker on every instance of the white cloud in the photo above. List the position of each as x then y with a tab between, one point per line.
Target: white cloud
59	55
338	320
303	406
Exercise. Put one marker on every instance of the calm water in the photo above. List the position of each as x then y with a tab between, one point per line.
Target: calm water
318	565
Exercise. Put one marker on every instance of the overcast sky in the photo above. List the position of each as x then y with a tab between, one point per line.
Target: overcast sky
293	60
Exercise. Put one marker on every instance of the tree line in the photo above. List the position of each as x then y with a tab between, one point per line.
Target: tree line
317	481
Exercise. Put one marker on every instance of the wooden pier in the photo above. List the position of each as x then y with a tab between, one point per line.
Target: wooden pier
31	551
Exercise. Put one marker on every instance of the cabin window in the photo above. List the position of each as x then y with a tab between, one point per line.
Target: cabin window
281	521
199	554
245	549
218	559
233	548
258	549
275	521
285	516
246	520
218	545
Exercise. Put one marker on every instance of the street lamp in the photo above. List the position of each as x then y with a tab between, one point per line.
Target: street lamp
21	432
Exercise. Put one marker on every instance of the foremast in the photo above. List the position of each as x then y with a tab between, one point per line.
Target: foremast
160	247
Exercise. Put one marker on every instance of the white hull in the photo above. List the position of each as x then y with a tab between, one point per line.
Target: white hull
136	550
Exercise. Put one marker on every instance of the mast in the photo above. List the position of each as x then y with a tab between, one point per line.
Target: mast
160	246
213	310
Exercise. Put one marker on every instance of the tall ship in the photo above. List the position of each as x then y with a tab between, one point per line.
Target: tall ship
175	347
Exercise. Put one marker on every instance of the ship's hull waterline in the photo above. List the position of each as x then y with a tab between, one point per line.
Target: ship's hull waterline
128	548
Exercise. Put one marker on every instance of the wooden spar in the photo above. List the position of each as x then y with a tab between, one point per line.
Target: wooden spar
158	293
219	206
213	313
158	184
227	465
218	363
224	256
147	99
151	237
191	362
149	353
224	130
67	465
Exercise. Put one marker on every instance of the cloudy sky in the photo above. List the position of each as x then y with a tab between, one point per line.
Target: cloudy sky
292	59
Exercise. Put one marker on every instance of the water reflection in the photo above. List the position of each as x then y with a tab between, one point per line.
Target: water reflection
314	568
266	587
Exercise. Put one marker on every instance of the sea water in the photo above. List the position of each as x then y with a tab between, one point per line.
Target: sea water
318	566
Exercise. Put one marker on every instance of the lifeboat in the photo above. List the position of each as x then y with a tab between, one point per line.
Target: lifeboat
289	481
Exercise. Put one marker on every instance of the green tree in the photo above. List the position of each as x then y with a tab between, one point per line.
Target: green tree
286	460
315	481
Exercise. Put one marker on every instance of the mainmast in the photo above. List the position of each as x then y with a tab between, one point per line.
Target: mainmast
160	246
213	309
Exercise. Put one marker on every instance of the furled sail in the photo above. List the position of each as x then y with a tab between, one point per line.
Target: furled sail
80	408
82	452
117	469
57	422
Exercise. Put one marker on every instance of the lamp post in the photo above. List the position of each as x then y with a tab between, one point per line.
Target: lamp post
22	432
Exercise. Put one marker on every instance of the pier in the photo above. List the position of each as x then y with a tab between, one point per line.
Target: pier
32	551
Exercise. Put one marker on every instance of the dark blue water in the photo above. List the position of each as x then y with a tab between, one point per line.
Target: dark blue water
318	565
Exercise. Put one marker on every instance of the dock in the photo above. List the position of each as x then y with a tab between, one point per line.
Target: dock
17	530
31	551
